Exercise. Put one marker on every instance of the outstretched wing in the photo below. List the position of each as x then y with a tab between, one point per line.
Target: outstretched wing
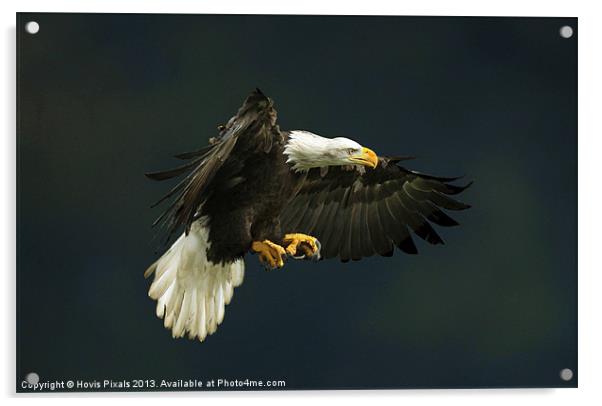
253	122
356	215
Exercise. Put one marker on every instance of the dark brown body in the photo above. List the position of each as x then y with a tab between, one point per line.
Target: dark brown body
246	198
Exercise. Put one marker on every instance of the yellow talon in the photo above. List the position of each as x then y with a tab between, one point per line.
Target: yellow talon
307	244
270	254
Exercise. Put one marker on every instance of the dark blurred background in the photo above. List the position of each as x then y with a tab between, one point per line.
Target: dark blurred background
104	98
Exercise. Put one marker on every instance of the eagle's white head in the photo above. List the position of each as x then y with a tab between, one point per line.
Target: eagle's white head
305	150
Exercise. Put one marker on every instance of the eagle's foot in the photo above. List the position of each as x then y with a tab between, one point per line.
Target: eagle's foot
270	255
300	246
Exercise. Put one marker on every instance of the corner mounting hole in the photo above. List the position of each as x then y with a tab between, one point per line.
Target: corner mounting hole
566	374
566	31
32	378
32	27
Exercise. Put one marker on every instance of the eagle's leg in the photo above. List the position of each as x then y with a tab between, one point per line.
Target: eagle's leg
270	254
299	244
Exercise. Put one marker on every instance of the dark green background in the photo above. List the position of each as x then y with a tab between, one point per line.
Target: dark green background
104	98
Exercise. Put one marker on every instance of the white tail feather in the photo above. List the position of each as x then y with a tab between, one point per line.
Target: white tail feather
191	292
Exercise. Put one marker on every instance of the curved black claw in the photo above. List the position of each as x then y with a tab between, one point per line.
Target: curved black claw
314	257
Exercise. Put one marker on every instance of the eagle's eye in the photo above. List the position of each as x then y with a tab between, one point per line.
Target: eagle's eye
350	151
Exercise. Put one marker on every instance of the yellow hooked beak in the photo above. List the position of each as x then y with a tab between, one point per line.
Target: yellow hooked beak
366	158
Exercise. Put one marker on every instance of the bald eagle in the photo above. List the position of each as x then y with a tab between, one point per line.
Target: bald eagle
281	194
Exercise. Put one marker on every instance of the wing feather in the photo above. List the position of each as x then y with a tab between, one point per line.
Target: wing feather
382	242
255	121
366	245
398	229
358	214
355	228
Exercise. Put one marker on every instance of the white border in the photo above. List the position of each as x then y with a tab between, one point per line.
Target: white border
590	227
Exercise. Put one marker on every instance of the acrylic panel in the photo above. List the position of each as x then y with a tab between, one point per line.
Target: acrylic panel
360	202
